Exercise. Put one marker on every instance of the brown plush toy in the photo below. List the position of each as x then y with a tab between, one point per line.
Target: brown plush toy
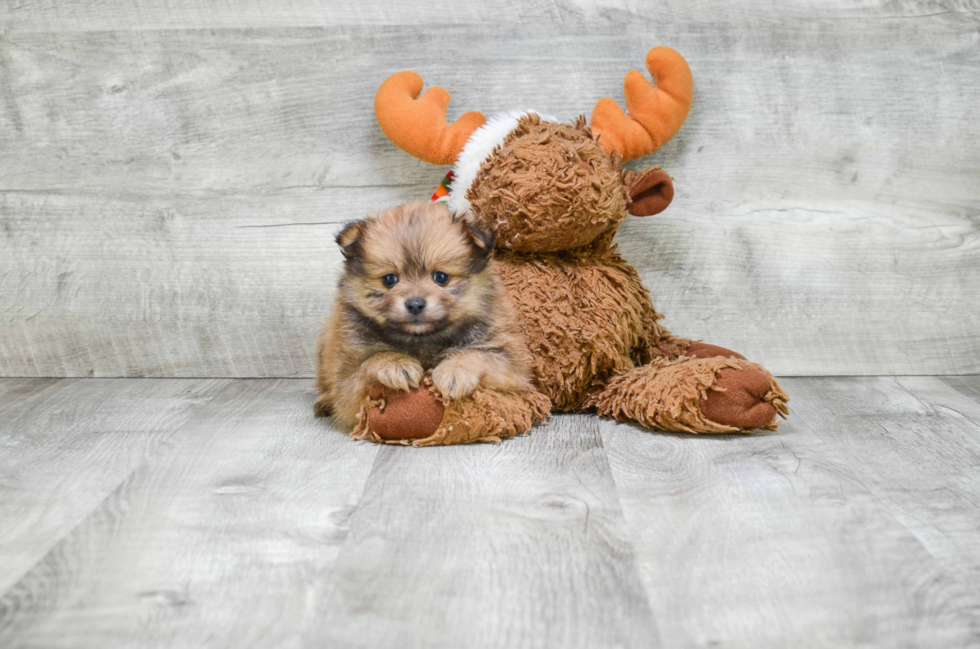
556	194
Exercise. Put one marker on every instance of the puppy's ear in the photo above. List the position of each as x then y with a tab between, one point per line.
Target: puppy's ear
481	236
349	240
481	239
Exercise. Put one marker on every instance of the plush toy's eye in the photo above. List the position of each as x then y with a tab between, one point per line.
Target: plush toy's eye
389	280
440	278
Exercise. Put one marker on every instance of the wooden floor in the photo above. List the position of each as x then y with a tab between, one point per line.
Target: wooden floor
220	513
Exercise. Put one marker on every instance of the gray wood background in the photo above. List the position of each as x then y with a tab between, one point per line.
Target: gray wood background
172	173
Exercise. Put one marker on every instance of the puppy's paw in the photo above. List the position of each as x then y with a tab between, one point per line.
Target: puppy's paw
403	373
452	379
322	406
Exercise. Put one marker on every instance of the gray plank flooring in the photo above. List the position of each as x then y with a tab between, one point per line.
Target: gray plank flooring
147	512
172	174
252	493
787	539
66	445
487	545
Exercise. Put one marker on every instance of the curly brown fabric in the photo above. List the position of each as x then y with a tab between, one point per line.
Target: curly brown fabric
557	200
570	190
586	316
669	395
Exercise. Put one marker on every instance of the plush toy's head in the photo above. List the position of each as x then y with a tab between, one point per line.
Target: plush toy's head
515	192
546	185
551	186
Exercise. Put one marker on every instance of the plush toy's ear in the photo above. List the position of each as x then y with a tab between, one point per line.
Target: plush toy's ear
651	191
349	240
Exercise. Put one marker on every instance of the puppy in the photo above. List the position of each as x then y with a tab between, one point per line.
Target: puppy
418	292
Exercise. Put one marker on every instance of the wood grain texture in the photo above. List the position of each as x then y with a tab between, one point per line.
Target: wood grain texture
65	445
217	539
75	15
827	217
517	545
967	385
780	539
240	288
78	15
255	524
918	441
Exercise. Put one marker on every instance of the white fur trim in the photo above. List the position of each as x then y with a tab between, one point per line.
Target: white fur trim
477	149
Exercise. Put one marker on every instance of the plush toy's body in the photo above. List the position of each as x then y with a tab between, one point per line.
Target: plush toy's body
599	321
556	195
599	347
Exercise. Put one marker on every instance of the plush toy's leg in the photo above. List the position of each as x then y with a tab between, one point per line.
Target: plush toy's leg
423	418
717	394
488	416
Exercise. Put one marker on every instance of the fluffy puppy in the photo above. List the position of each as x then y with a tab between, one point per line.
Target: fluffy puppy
419	292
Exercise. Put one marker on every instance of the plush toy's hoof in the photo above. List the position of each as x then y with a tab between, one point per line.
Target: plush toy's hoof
740	402
415	414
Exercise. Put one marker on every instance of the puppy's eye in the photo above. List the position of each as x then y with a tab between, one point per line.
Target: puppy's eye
389	280
440	278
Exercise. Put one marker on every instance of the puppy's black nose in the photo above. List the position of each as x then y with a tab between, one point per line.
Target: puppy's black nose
415	305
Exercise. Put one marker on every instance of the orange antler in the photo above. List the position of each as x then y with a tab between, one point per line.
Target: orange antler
418	125
655	113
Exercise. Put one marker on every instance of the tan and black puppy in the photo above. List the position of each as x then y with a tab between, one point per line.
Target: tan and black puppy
419	292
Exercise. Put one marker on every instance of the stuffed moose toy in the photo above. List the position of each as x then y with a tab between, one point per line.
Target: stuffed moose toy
556	194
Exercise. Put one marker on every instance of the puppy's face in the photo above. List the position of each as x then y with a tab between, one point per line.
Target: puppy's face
416	269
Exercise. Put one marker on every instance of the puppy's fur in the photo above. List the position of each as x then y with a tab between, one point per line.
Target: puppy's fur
466	333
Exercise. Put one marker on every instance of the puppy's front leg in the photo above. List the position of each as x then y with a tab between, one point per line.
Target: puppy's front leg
459	374
392	369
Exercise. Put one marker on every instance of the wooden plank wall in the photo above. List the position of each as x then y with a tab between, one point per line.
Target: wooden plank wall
172	174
